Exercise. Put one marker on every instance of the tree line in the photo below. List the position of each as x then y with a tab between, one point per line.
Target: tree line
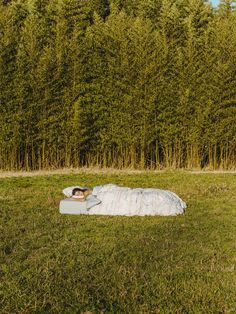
117	83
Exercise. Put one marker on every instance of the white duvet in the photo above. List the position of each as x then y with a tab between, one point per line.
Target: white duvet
116	200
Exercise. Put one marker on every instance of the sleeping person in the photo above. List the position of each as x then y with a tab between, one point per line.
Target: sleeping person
81	194
80	200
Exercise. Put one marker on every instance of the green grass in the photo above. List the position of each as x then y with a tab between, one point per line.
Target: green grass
52	263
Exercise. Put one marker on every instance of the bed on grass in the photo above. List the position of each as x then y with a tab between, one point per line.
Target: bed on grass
111	199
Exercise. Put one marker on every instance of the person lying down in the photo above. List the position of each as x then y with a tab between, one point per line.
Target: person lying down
111	199
80	194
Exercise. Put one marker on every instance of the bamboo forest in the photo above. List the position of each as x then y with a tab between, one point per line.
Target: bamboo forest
144	84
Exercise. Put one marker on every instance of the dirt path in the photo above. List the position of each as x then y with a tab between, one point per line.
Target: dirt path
5	174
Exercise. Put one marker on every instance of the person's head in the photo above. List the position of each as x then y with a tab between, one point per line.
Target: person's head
80	193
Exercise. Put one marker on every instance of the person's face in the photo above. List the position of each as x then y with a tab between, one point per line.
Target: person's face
79	193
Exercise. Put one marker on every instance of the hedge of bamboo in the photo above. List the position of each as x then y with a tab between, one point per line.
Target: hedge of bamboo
117	83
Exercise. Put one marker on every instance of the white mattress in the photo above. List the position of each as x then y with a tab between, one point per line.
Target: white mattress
73	207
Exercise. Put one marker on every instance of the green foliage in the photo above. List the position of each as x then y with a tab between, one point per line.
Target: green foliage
226	7
143	84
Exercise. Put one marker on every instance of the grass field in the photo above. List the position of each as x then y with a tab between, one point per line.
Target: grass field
52	263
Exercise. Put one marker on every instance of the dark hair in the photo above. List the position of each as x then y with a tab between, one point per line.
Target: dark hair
77	190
